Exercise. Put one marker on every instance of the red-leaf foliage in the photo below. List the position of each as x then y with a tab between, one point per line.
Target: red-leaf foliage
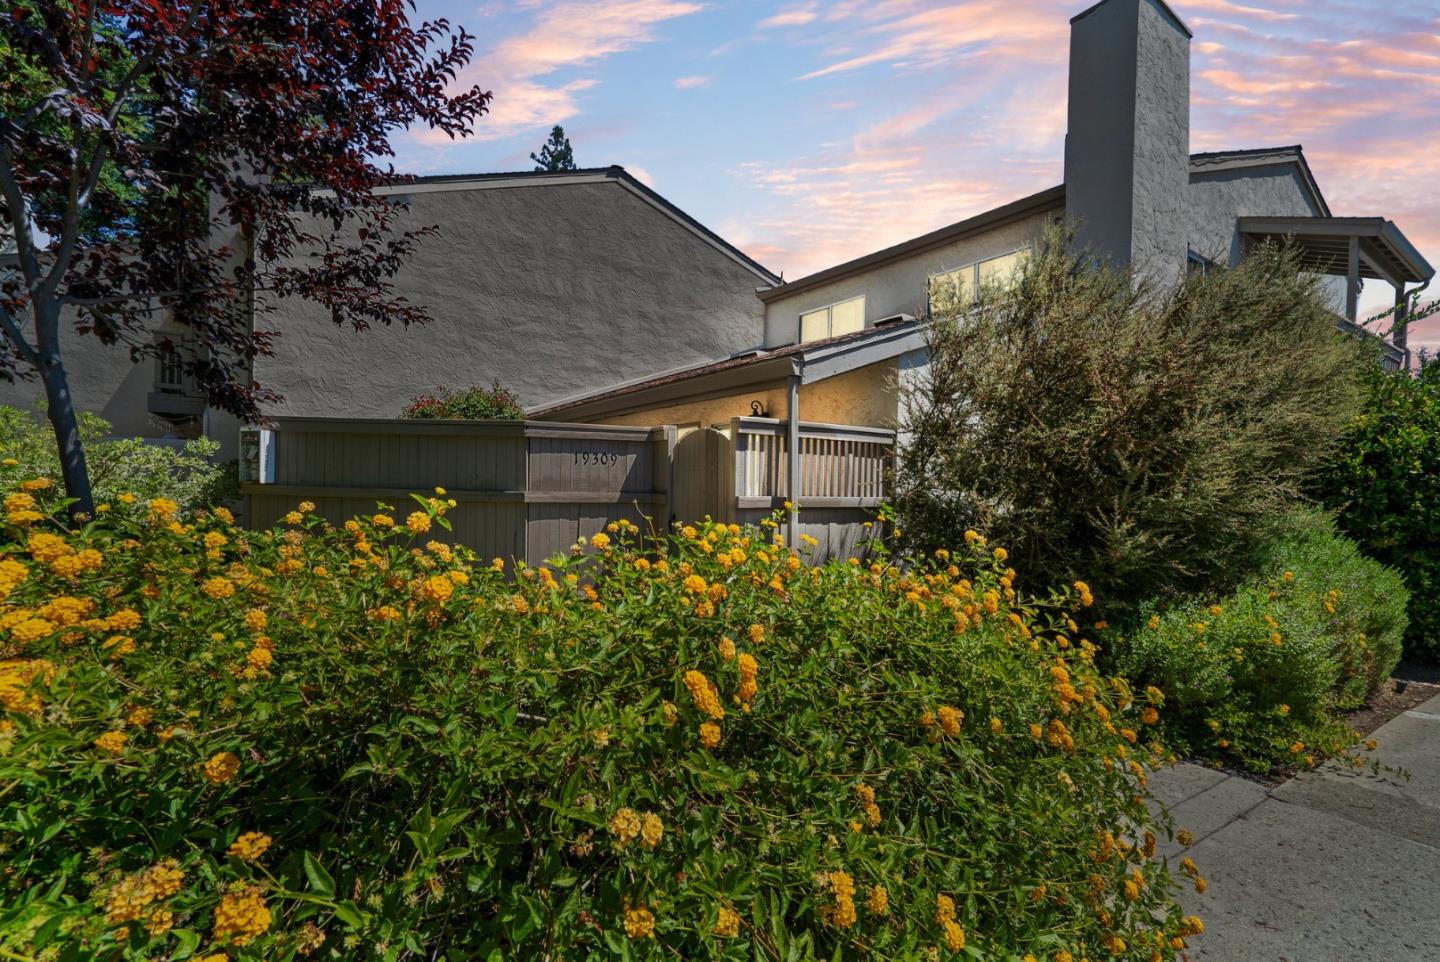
162	124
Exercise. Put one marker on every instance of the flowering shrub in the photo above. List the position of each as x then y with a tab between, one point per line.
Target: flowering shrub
360	743
1259	678
476	403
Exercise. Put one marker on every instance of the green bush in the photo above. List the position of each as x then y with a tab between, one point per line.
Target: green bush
189	474
471	404
1137	439
1385	483
354	744
1260	677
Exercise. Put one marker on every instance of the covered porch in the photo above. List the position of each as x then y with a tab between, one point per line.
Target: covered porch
1357	249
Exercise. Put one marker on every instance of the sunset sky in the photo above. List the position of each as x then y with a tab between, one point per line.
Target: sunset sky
809	133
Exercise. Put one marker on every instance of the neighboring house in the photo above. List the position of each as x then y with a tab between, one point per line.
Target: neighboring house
839	342
554	283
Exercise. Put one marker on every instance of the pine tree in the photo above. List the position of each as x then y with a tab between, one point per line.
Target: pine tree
555	153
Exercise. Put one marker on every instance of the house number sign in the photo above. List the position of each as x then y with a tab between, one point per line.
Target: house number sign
596	459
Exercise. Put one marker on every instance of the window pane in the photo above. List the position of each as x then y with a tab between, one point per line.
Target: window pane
999	270
848	317
815	325
953	290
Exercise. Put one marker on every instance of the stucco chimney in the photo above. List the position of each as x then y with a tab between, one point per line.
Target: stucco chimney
1127	146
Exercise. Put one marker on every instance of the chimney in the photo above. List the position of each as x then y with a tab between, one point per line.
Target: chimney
1127	146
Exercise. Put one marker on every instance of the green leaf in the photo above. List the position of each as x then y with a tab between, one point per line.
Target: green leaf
320	881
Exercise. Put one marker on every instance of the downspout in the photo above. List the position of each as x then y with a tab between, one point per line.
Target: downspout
792	461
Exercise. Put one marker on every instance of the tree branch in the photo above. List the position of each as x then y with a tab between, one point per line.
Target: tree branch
17	338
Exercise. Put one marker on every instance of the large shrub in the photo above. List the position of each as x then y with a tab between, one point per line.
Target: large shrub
1260	677
471	404
1137	438
1385	481
358	744
188	474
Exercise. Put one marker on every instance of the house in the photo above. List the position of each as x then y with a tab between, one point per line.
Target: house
595	300
838	343
554	283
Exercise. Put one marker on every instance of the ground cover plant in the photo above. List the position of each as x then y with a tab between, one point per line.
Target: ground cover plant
360	743
1385	482
1136	438
1259	678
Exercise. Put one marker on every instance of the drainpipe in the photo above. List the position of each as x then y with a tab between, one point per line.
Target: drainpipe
792	461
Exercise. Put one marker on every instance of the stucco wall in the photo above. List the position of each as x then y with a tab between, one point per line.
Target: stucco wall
102	379
898	287
556	289
865	397
1218	197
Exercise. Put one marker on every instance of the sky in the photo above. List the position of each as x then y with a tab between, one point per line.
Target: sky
811	132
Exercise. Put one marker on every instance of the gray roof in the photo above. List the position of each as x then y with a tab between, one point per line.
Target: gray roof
812	361
1217	161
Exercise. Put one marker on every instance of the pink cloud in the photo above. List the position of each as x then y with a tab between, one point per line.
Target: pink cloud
568	34
790	17
690	83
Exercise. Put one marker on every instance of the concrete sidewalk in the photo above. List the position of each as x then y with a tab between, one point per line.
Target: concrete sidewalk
1331	866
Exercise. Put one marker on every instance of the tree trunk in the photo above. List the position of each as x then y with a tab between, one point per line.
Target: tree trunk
63	418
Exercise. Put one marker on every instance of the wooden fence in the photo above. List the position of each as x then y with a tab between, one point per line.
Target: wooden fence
524	489
741	474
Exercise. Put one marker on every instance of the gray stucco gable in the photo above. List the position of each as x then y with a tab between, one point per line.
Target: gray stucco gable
554	285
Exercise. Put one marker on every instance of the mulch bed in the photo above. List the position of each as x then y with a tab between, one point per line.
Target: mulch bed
1411	685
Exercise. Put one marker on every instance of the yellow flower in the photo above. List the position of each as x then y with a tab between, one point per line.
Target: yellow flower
418	522
954	937
639	923
625	825
220	768
439	588
249	847
703	693
161	508
669	713
944	909
950	719
382	521
757	634
727	924
218	588
256	620
241	916
294	517
1149	715
651	830
997	726
601	541
112	742
709	734
726	649
748	668
1086	598
878	901
35	484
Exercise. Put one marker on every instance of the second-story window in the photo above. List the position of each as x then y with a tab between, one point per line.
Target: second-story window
957	289
845	317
